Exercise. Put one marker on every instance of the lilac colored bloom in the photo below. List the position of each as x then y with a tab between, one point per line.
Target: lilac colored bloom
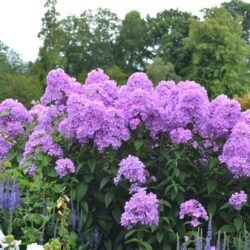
133	170
5	147
236	151
44	141
96	76
47	118
64	166
36	110
237	200
92	120
105	91
183	105
194	209
138	106
181	135
59	86
32	170
223	115
164	90
139	80
142	208
13	116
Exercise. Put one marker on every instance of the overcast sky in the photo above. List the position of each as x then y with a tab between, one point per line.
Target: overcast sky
20	20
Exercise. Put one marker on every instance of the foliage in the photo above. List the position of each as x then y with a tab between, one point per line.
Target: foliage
166	32
132	43
20	87
218	53
158	71
240	8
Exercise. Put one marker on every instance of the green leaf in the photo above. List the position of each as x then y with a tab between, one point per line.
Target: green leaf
81	190
212	207
116	213
138	144
104	181
109	197
227	229
211	186
146	245
85	206
92	165
238	223
159	237
130	232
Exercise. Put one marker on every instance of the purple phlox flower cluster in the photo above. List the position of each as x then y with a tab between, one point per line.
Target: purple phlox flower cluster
190	104
96	76
32	170
47	119
105	91
138	106
92	120
164	90
10	197
194	209
5	147
237	199
13	116
181	135
36	110
132	170
44	141
184	105
223	115
139	80
236	150
142	208
64	166
59	86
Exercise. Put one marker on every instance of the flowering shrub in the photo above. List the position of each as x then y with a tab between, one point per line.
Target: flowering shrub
168	147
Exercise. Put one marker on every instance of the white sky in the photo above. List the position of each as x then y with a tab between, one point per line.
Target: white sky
20	20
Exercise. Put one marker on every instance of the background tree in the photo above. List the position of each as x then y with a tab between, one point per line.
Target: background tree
117	74
23	88
49	54
239	8
132	43
166	32
218	53
158	71
104	27
76	44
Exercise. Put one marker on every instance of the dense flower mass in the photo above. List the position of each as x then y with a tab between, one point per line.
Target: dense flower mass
13	117
44	142
64	166
59	85
181	135
92	120
142	208
194	209
238	199
133	170
223	115
236	150
96	76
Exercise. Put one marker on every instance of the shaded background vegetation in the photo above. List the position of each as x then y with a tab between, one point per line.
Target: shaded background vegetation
174	45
